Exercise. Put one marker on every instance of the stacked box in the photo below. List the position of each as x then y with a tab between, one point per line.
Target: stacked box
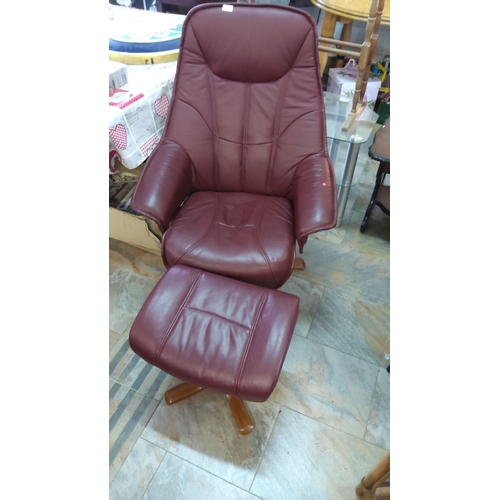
117	75
137	115
342	81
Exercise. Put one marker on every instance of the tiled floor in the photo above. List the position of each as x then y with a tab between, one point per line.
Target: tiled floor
327	422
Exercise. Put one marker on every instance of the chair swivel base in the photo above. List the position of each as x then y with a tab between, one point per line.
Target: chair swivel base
299	264
240	413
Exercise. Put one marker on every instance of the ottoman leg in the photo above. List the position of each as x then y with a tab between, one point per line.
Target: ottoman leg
180	392
240	414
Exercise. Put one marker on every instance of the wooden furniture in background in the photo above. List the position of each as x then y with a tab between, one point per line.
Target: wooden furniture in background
365	52
376	485
380	151
345	12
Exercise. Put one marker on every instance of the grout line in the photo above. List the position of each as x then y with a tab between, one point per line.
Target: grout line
343	352
371	405
161	461
201	468
333	427
265	446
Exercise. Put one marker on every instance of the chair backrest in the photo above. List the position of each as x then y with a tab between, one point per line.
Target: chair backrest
247	102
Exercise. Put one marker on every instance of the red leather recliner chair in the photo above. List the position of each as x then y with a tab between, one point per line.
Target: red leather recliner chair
242	171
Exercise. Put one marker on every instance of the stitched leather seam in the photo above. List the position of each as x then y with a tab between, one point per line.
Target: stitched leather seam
194	245
275	131
294	120
278	112
257	232
246	327
218	223
246	119
249	342
215	130
176	318
199	112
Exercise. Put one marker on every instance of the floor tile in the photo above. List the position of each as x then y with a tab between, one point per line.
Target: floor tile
306	459
310	296
201	430
177	479
341	266
326	385
133	372
376	237
352	325
113	338
136	472
135	260
127	294
377	430
129	414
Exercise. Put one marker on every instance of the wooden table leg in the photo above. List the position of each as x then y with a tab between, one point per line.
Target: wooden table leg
345	35
327	29
241	415
180	392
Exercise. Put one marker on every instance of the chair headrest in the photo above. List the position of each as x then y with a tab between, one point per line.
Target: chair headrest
248	42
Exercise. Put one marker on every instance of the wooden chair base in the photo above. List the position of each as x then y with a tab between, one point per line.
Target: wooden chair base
299	264
180	392
240	413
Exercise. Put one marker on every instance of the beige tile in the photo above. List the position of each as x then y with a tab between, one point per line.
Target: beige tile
340	267
202	431
306	459
127	294
377	430
136	472
310	296
132	259
352	325
326	385
180	480
113	338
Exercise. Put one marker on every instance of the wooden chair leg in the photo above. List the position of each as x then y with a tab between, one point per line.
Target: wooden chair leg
240	414
368	485
299	264
180	392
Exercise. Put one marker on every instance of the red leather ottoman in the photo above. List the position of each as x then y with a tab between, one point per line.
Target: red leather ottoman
216	333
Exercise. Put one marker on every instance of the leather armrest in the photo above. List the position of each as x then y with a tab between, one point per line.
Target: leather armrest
314	196
164	184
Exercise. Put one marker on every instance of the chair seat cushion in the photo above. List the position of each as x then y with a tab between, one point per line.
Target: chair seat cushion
244	236
216	332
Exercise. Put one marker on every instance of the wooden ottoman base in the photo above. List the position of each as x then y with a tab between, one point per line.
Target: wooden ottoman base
240	413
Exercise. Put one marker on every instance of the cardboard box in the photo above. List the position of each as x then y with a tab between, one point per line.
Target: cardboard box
342	81
131	228
134	230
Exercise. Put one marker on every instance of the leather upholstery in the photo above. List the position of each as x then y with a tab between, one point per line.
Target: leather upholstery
215	227
216	332
246	116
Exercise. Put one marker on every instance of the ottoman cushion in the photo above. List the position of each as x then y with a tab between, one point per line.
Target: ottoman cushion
216	332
